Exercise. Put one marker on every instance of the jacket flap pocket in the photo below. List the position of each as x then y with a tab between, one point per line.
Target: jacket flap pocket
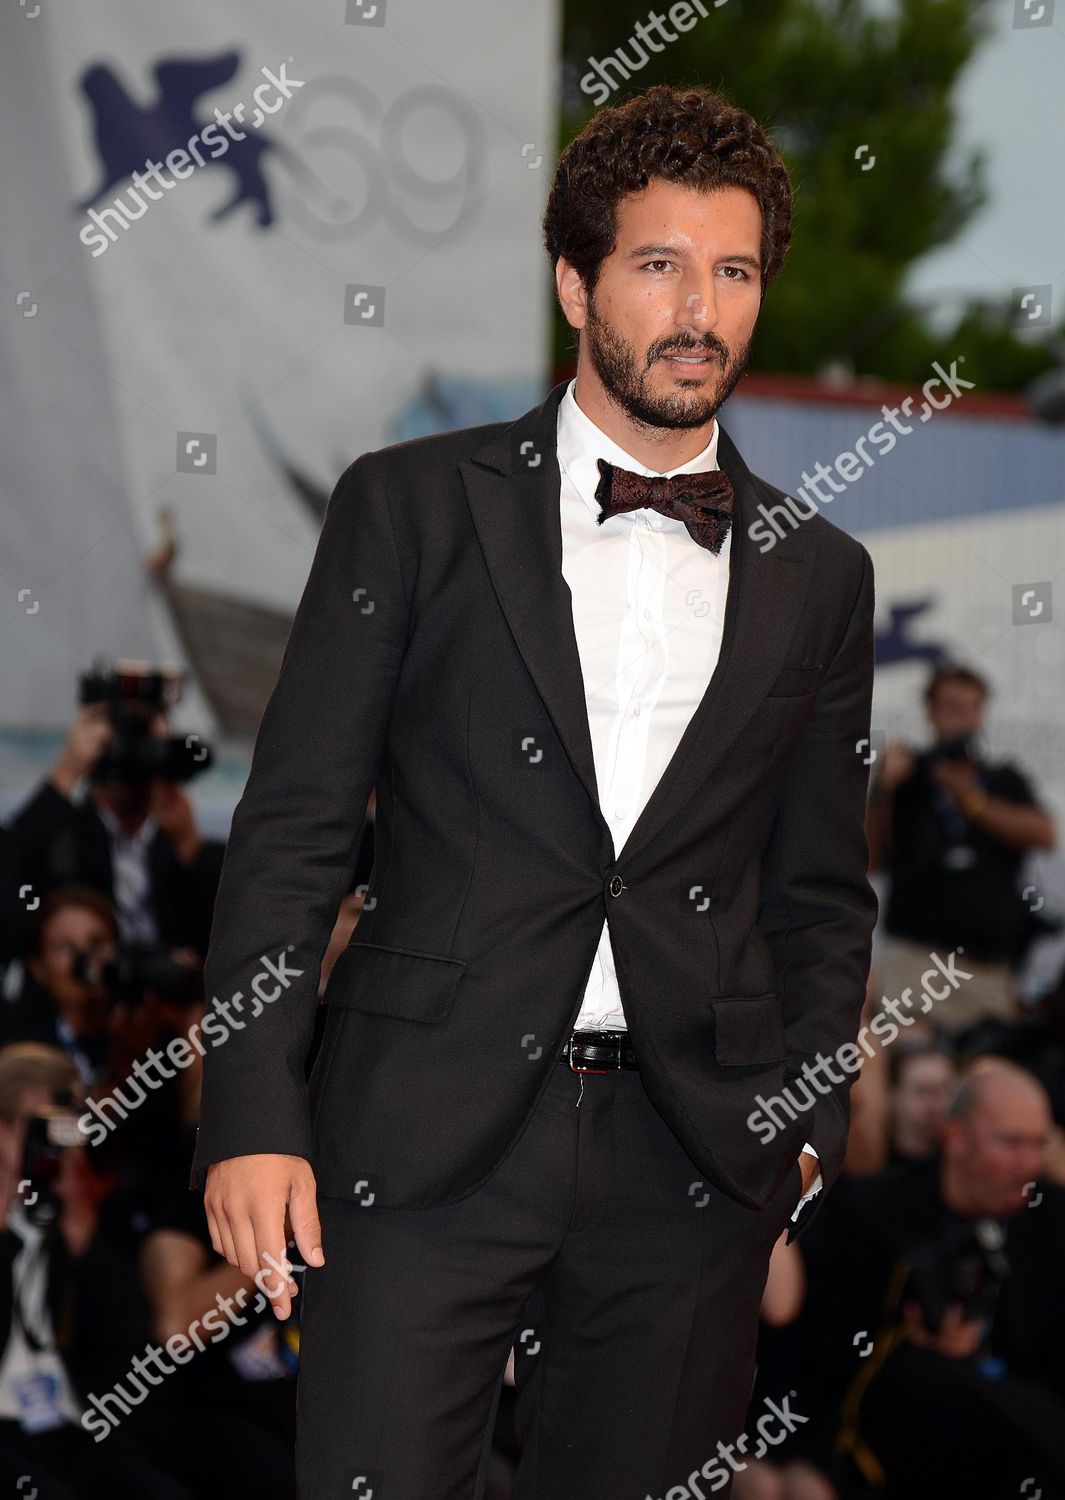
394	982
749	1030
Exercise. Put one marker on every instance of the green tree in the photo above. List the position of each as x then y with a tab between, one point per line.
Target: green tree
825	78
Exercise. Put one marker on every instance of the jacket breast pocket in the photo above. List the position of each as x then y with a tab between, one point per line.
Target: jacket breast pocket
397	982
795	682
749	1031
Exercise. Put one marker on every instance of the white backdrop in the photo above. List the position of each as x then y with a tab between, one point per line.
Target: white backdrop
414	161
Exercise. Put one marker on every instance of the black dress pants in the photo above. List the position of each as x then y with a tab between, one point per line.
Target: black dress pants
629	1287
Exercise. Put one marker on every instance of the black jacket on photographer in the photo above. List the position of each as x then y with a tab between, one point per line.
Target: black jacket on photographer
98	1317
63	842
951	883
857	1256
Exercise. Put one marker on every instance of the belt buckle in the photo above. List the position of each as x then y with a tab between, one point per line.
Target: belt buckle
578	1068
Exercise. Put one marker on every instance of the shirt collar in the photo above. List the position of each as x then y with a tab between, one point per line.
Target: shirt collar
142	835
581	443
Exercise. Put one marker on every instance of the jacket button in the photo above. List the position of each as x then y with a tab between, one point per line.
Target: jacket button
616	886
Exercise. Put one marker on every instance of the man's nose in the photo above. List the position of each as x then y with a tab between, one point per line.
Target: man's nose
699	310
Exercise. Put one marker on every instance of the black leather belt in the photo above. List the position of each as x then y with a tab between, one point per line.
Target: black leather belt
598	1051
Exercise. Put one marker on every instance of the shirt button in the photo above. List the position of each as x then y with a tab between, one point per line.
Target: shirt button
619	813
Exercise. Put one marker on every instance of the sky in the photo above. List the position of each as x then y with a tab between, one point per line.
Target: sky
1011	101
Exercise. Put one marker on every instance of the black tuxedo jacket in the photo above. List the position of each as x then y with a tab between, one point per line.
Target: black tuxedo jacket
433	654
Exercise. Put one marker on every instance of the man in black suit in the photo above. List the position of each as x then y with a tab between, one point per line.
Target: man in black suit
620	888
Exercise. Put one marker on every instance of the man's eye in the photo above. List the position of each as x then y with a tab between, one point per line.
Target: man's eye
740	272
648	264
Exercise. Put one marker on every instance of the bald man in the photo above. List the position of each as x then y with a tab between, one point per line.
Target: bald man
935	1319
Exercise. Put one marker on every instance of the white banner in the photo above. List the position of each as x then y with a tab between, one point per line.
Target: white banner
242	244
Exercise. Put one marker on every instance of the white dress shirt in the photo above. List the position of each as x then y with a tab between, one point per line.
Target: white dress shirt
131	878
648	615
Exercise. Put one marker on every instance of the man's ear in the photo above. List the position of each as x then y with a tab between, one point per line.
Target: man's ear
572	295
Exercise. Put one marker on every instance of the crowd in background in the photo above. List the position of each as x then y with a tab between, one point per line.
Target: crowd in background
912	1334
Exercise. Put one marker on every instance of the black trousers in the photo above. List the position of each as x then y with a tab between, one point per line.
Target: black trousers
629	1287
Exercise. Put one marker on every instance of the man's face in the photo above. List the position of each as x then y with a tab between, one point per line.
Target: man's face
999	1149
668	328
920	1103
34	1100
70	931
956	709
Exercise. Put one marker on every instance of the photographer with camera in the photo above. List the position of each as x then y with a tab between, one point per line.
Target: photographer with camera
60	997
935	1318
951	830
70	1313
134	835
923	1078
106	1006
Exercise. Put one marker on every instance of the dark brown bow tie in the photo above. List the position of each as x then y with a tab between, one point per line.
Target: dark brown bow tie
702	501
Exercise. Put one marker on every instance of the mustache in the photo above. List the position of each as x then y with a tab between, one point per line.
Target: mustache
693	349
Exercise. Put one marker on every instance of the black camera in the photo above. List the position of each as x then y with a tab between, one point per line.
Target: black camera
966	1266
134	692
47	1137
956	747
136	968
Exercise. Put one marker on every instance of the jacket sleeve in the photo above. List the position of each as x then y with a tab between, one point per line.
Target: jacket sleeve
296	830
38	822
818	908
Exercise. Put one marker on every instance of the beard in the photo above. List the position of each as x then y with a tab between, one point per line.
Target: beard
626	375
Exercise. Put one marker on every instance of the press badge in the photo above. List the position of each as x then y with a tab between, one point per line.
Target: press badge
257	1357
38	1399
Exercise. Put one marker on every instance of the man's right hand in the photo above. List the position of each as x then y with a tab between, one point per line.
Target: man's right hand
246	1199
959	1337
89	736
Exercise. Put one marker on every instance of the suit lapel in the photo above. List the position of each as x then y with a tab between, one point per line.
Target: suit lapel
513	489
763	607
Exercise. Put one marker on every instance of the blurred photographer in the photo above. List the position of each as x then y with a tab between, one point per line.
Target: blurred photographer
60	997
951	829
107	1006
924	1078
133	835
936	1310
69	1311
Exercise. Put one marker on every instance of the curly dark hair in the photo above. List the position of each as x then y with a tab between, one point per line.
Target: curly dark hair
689	135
